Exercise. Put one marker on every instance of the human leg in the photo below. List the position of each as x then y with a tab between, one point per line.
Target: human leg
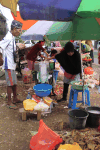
65	92
9	91
9	79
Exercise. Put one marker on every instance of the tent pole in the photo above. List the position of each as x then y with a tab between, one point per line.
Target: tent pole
80	56
82	72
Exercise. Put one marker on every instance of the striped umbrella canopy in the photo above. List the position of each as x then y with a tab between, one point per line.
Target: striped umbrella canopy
78	29
54	10
26	23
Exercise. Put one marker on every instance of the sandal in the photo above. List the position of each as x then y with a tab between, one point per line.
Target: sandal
12	107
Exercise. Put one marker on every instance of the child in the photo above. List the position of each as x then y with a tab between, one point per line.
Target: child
99	55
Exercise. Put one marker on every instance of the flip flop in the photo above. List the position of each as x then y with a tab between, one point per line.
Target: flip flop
12	107
18	101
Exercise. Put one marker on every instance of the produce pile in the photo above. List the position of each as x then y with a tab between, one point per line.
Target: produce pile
92	80
86	57
36	103
88	138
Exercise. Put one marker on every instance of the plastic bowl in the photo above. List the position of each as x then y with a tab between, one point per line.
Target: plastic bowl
42	90
78	87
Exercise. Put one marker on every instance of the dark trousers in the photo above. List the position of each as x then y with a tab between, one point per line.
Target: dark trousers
65	90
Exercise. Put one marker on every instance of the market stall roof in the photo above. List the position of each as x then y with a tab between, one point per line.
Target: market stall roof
54	10
26	23
78	29
37	31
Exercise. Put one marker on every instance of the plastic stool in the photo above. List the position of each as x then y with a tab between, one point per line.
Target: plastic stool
74	93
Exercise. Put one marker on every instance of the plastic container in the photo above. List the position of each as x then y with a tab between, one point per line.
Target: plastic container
78	87
28	96
55	74
94	116
42	90
51	65
77	118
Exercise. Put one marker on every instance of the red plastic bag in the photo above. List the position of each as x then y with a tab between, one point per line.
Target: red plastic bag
45	139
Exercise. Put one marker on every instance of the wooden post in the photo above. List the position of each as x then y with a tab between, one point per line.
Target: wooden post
24	116
38	115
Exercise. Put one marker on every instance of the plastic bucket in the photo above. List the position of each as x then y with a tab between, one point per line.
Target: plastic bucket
94	116
55	74
42	90
77	118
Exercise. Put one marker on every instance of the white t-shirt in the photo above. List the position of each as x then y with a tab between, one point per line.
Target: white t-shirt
7	50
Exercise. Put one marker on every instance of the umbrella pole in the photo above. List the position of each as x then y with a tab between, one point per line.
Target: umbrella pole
83	77
80	56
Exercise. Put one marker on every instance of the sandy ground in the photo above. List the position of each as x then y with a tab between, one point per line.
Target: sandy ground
15	133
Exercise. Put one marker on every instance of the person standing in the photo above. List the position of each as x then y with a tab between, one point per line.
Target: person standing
8	47
34	52
70	60
89	43
99	55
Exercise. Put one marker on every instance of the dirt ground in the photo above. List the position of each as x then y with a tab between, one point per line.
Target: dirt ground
15	133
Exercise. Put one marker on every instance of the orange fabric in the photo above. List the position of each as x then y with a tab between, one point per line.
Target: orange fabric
26	23
69	76
10	77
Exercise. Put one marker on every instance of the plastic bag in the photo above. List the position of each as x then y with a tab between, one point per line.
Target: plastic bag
45	139
41	106
88	70
73	146
29	104
47	100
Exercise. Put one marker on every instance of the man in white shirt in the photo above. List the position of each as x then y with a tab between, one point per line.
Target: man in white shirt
8	46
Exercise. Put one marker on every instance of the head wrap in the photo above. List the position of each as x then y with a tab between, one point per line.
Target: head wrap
16	24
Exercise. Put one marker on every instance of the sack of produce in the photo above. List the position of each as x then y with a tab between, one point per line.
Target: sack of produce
41	107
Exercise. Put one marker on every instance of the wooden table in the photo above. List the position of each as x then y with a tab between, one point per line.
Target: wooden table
24	114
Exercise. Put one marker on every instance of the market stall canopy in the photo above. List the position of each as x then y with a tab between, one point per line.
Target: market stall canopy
37	31
54	10
26	23
78	29
58	10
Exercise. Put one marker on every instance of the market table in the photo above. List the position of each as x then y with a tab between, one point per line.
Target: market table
87	62
24	113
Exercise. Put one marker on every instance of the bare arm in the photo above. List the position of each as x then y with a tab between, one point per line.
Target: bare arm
46	53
